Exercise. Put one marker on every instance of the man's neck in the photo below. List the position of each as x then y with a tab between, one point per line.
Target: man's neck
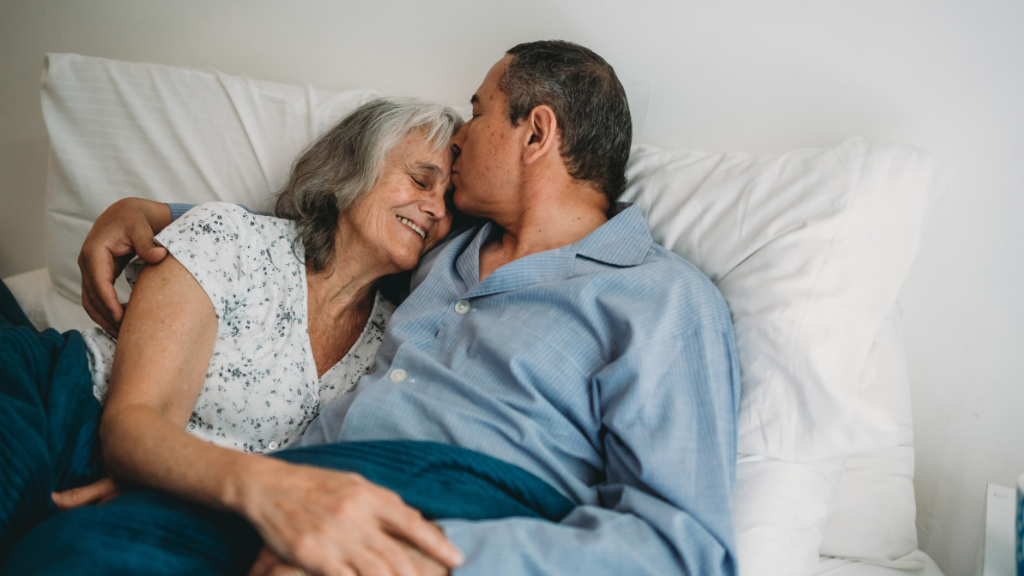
547	223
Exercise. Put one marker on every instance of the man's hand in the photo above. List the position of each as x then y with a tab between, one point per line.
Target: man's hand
269	564
337	523
124	229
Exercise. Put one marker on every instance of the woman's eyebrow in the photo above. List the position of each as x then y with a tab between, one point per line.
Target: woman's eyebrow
429	167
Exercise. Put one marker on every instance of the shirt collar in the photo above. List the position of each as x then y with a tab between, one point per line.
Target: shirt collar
622	241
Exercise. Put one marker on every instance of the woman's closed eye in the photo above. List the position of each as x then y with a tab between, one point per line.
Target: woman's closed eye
425	181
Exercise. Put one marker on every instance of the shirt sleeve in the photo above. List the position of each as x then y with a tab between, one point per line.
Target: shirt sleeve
178	210
669	426
216	243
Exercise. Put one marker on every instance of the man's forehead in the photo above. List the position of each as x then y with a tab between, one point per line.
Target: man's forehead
488	90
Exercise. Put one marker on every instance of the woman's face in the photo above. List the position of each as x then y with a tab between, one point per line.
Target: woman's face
405	213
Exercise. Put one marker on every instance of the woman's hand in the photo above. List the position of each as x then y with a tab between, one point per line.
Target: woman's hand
96	493
124	229
329	522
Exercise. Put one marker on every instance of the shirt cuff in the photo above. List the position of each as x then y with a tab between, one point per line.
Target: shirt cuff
178	209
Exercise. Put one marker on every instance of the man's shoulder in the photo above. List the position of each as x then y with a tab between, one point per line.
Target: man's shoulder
663	288
658	266
662	261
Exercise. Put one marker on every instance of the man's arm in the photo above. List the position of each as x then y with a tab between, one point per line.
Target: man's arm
124	229
668	413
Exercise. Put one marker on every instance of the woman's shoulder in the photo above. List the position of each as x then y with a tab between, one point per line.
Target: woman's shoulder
231	224
233	215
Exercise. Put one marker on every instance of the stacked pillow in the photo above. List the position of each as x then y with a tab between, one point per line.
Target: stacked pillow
875	511
809	248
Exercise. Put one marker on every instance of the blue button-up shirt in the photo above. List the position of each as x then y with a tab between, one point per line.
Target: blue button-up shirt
607	367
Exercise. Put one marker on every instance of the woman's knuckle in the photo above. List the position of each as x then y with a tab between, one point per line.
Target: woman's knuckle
352	507
305	547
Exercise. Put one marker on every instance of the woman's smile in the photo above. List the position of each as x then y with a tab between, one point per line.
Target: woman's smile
412	225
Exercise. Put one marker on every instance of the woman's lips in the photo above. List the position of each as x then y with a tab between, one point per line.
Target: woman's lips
412	226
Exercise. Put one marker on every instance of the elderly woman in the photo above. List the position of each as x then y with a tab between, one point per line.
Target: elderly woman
233	344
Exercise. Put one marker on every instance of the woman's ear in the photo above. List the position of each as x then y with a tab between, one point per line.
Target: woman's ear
541	136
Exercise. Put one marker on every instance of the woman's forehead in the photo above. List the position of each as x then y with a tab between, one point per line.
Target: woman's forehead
416	152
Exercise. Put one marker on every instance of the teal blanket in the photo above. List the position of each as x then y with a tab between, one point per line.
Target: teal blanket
48	442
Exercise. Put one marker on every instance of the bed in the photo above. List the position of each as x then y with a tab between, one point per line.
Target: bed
810	249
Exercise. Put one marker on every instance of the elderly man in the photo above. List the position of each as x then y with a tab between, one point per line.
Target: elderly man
556	336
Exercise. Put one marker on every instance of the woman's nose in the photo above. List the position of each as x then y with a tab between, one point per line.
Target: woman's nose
434	206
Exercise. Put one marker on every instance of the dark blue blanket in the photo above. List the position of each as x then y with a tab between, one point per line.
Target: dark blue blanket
48	421
48	442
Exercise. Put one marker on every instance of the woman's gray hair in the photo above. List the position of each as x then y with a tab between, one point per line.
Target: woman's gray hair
348	160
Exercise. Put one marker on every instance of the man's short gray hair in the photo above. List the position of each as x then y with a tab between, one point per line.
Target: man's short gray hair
347	161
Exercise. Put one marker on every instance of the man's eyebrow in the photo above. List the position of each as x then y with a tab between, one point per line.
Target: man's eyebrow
474	100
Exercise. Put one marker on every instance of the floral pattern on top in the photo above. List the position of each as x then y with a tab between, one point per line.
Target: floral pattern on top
261	389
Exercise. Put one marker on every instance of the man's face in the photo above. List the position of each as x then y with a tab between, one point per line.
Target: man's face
487	148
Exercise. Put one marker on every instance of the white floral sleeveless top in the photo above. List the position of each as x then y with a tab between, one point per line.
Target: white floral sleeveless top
261	389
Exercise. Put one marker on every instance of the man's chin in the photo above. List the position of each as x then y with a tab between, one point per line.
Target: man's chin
459	200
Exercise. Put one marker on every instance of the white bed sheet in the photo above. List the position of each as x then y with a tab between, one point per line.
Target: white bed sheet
841	567
43	305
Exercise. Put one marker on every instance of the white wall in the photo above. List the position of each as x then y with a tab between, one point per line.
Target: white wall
729	75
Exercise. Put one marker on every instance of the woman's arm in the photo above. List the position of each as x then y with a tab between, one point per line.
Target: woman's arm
163	350
322	520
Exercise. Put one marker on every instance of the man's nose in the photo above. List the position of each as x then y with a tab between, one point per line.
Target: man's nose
458	139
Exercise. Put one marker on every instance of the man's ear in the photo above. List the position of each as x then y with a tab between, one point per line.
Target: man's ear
541	135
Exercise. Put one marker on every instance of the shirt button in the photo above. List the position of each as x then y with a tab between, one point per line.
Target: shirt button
273	445
461	307
398	375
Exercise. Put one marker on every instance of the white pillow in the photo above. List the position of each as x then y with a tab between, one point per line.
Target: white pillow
875	513
810	249
859	507
121	129
779	513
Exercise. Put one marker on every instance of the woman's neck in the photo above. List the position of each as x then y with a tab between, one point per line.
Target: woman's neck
338	307
337	292
348	283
